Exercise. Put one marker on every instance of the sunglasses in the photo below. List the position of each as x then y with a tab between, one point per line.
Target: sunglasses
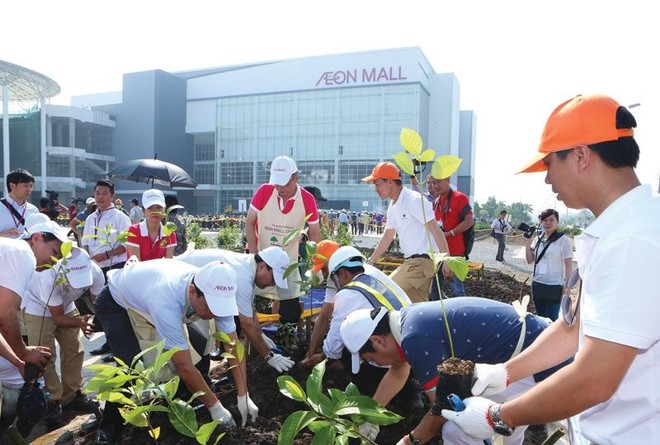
570	308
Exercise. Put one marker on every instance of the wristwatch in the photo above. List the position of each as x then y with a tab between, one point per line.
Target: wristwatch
499	425
412	439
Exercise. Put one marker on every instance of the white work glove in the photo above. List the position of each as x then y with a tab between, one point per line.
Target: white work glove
222	415
247	407
279	362
369	430
270	344
491	379
474	419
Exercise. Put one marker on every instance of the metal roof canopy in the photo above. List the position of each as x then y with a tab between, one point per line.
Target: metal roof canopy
19	84
25	84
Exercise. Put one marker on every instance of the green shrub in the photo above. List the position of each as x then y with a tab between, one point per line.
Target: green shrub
229	237
194	234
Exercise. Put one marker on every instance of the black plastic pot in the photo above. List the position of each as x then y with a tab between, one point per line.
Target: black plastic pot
460	385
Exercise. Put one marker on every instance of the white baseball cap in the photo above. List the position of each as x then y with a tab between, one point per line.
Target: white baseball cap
77	268
90	202
356	329
50	227
278	260
153	197
33	220
218	283
281	170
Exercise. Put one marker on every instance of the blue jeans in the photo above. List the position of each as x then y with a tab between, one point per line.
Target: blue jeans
546	308
456	286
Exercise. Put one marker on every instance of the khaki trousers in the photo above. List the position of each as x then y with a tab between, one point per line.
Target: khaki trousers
414	276
72	354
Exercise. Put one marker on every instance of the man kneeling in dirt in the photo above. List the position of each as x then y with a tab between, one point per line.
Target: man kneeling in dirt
484	331
153	300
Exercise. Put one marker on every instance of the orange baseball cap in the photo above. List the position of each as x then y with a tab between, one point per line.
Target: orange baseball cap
324	251
583	120
383	170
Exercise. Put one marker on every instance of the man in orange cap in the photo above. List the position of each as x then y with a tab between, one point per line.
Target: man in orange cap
408	216
590	155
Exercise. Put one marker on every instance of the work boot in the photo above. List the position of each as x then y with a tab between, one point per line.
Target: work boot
102	350
82	403
53	418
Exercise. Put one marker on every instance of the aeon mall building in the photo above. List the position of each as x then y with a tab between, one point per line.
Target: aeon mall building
336	115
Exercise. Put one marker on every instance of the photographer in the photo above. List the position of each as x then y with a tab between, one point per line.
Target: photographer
51	206
552	256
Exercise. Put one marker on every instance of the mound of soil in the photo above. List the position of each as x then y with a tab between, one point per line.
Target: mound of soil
275	407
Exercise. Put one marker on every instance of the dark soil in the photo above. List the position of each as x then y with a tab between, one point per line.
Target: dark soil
275	407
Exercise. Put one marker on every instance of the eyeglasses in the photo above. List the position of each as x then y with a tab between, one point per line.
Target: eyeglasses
569	308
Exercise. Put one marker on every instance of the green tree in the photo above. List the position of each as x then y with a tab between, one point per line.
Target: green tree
520	212
492	208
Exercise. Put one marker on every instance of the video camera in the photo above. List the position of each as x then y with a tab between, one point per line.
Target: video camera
52	199
528	231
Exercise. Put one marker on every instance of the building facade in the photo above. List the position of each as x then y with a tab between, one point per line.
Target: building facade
336	115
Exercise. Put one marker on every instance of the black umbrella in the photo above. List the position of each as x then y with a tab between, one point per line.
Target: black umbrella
153	171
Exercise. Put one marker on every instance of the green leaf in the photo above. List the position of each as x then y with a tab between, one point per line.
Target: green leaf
182	417
368	408
169	388
65	248
427	155
315	385
337	395
290	268
458	265
155	432
136	416
317	425
204	432
290	388
169	228
325	435
411	141
310	249
342	439
352	390
293	424
289	236
445	166
223	337
404	162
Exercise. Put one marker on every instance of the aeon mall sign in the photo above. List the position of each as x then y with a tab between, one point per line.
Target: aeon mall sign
364	75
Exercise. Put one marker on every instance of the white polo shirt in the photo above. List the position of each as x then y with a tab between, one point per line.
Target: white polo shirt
159	289
41	293
618	257
100	219
406	218
241	263
9	221
17	265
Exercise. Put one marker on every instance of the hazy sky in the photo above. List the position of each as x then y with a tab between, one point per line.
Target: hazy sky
515	60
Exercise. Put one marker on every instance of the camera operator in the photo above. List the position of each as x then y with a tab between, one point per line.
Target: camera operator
552	256
51	206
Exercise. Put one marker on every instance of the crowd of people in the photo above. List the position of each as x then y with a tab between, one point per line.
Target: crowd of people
584	355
